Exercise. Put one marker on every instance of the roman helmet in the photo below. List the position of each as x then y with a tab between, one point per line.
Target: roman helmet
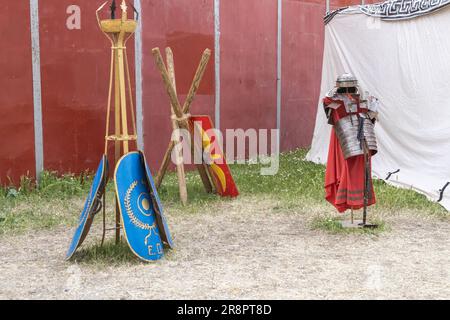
347	80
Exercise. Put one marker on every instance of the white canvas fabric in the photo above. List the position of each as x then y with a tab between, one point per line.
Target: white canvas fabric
406	64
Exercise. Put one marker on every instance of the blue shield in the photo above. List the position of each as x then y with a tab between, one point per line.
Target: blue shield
161	219
91	207
137	208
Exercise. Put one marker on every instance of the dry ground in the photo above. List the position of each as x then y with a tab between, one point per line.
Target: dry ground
244	249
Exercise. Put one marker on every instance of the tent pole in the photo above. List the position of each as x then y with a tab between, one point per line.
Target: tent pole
328	5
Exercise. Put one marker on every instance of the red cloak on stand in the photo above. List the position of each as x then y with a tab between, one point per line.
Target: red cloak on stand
344	179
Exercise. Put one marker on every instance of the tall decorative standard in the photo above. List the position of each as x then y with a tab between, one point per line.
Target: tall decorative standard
119	31
139	212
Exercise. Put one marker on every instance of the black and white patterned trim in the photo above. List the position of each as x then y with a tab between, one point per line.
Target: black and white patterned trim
403	9
330	15
396	9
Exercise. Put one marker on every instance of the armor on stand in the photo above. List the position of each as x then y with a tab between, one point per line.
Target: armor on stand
353	142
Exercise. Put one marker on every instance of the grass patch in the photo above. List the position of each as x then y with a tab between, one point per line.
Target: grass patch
299	183
197	197
390	197
109	254
33	212
56	201
333	225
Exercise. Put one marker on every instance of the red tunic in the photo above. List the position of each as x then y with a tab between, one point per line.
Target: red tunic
344	179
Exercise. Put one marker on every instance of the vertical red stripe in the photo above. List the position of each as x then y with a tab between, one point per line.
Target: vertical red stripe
248	64
16	81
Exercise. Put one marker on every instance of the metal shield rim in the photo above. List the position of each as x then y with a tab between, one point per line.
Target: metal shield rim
81	239
120	207
159	211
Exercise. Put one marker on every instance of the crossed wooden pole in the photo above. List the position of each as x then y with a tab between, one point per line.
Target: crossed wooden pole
180	119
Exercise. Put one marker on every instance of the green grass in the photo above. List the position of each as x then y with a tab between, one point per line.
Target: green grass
300	181
333	225
109	254
197	197
59	200
53	203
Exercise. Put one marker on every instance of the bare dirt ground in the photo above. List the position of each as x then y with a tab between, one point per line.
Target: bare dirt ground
247	249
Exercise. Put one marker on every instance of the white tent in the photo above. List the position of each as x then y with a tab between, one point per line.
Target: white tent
400	52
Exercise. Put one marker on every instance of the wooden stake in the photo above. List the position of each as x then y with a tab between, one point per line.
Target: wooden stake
179	153
117	129
123	96
197	80
167	83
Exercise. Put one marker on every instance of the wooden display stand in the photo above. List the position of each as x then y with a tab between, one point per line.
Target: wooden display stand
119	31
180	119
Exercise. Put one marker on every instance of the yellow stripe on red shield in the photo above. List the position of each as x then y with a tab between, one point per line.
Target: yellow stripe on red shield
219	169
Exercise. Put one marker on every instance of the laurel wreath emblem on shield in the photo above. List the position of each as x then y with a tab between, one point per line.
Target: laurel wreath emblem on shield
134	220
